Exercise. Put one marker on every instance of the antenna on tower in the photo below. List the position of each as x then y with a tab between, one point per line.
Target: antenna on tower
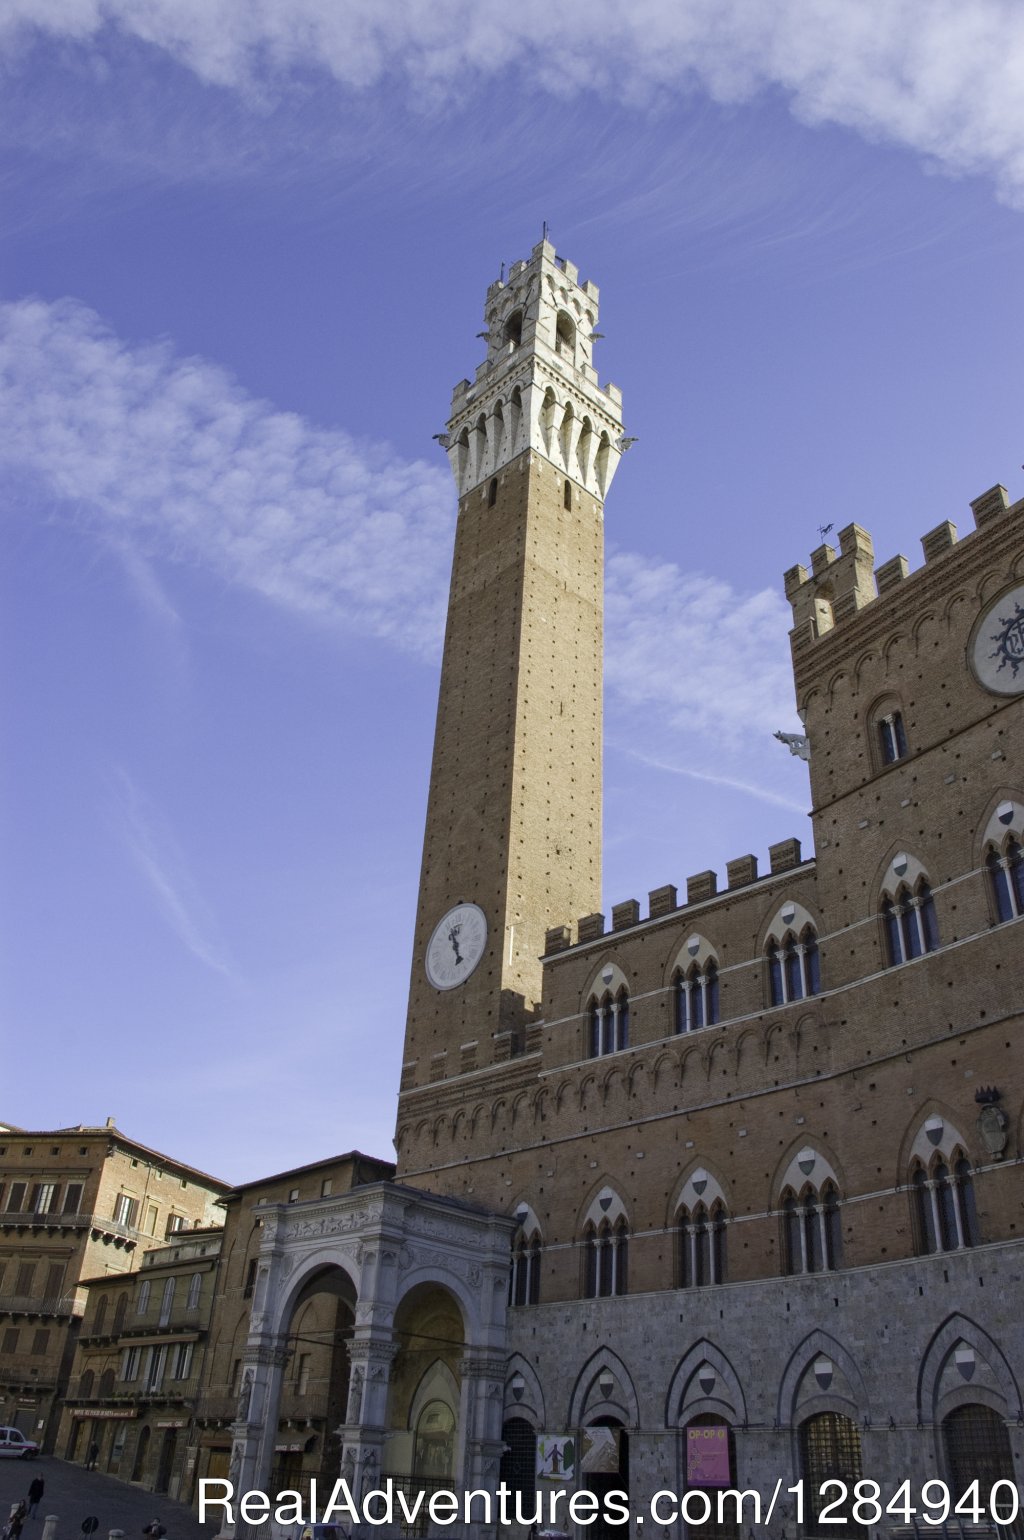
544	231
502	278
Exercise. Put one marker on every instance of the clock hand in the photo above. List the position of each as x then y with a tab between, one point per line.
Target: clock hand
453	937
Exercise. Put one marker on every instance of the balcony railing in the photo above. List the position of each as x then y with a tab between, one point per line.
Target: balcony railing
46	1304
121	1393
304	1408
43	1218
217	1406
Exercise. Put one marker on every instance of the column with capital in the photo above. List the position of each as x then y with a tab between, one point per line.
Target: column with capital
480	1418
254	1431
364	1431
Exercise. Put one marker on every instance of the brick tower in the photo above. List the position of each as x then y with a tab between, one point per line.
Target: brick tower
513	830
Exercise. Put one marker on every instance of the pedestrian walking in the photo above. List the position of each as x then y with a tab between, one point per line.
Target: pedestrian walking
35	1495
15	1519
93	1456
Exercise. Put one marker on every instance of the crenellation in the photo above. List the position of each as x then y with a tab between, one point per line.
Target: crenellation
626	914
821	559
990	505
662	901
784	855
938	540
701	886
590	927
741	871
557	938
891	572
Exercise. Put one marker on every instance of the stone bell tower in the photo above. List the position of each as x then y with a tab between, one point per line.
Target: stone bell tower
513	831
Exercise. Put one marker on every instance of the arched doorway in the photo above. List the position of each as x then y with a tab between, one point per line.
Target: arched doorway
166	1465
977	1448
604	1465
830	1450
709	1464
519	1469
141	1448
424	1447
314	1386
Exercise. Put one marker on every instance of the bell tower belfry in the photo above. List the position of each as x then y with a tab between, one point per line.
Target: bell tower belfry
513	830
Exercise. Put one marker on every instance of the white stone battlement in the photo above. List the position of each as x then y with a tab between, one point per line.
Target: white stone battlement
537	388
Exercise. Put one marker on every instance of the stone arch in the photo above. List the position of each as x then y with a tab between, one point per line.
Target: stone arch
788	917
774	1033
666	1063
588	1083
890	644
686	1060
518	1103
790	1172
638	1073
992	829
685	1194
318	1265
595	1208
608	1081
821	1344
724	1399
437	1382
960	597
920	624
916	1142
622	1402
600	983
746	1039
870	655
889	878
932	1403
475	1117
530	1402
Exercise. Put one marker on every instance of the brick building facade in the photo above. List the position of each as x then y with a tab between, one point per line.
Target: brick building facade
757	1151
75	1203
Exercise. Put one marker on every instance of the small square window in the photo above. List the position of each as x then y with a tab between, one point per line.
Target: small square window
293	1196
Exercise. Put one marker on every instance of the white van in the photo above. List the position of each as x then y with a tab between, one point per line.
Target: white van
15	1446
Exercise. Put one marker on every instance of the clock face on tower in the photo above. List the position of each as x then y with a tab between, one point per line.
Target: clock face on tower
456	946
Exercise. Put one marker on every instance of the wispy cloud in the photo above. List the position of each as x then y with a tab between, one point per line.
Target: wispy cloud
171	454
158	858
169	459
938	77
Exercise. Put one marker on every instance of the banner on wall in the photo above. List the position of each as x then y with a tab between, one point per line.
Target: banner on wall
556	1457
707	1456
600	1453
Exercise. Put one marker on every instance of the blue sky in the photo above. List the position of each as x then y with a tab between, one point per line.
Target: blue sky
243	256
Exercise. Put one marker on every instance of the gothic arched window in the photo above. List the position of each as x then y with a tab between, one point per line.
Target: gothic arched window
794	967
524	1276
892	736
697	997
911	928
1006	874
945	1214
606	1258
701	1245
830	1452
608	1023
811	1230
